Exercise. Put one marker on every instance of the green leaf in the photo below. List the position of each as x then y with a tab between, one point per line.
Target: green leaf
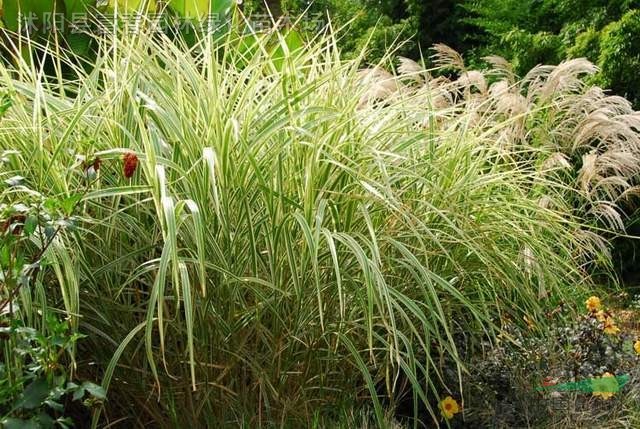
45	421
77	7
131	5
289	45
190	9
30	225
245	48
78	394
51	204
36	10
69	203
95	390
65	422
34	395
11	11
79	43
49	231
5	256
5	99
11	423
54	405
221	7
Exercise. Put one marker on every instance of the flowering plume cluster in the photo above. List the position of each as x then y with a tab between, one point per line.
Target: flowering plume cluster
575	132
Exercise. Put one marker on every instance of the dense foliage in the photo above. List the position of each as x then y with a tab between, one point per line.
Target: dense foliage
72	23
526	32
545	32
381	25
243	228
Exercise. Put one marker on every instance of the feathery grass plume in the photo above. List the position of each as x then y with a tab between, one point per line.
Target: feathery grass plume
412	70
566	78
556	161
501	68
473	78
608	212
553	113
544	82
499	88
285	248
379	84
445	57
549	116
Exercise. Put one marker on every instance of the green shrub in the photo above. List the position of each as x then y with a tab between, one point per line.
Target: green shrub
36	386
620	55
37	380
587	45
546	32
530	50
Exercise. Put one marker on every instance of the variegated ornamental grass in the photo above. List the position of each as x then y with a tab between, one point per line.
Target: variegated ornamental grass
288	243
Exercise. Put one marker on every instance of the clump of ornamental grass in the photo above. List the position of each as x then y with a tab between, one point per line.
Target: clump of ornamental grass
572	132
262	243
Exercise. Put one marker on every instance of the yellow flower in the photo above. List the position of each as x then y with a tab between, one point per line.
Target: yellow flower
605	395
610	326
636	347
593	303
601	316
449	407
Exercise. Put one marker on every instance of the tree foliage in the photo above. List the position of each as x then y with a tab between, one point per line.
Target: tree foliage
526	32
534	32
377	24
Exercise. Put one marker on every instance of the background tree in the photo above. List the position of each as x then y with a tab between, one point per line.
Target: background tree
532	32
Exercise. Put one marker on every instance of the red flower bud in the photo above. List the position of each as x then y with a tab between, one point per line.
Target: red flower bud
130	164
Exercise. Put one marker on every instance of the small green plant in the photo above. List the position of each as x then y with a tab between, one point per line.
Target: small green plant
35	386
36	373
30	224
